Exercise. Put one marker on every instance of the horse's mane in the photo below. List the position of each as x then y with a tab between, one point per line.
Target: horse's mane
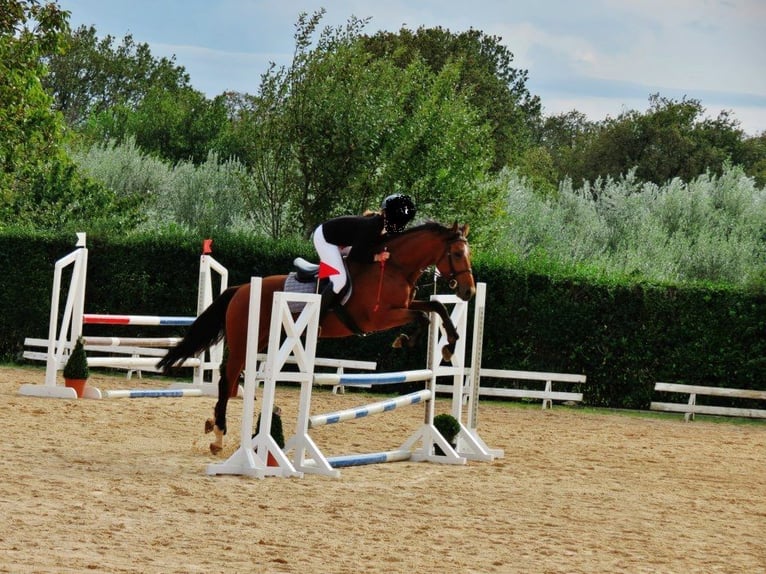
429	227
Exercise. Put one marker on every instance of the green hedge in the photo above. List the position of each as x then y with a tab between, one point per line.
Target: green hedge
142	274
623	336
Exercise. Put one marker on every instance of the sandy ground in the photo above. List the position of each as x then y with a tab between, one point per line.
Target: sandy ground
120	486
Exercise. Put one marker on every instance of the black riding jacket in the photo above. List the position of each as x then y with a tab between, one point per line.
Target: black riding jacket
360	232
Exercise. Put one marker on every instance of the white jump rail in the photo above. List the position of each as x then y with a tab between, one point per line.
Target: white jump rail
472	388
101	352
690	408
547	394
340	366
151	393
369	409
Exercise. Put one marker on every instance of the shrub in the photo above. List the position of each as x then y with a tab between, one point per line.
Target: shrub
77	365
710	230
448	426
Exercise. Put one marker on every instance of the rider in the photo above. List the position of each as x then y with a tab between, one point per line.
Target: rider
360	236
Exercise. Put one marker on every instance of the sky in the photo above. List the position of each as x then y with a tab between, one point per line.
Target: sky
599	57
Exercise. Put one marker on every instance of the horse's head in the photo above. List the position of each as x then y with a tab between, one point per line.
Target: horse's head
455	264
432	243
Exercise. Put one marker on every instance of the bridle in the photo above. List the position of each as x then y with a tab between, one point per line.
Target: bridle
454	273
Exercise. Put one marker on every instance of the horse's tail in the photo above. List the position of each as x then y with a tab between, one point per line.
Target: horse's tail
204	332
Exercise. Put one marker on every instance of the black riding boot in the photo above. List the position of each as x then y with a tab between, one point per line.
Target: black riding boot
329	298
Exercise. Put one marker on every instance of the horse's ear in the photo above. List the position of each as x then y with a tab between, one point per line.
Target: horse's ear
466	229
455	228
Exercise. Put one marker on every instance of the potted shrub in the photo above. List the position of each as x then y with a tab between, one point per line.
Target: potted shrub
449	427
76	368
276	432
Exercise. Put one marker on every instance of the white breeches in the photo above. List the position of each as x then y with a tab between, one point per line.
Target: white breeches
331	255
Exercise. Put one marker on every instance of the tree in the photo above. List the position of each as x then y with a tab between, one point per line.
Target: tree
493	86
343	107
31	132
754	152
92	76
364	127
177	124
39	185
343	129
110	92
255	134
672	139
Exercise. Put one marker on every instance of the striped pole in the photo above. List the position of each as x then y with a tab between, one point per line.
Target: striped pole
135	341
148	320
144	363
370	409
370	458
151	393
351	379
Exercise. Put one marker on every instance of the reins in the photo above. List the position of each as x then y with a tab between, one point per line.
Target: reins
380	283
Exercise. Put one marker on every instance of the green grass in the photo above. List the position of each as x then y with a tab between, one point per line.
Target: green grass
647	414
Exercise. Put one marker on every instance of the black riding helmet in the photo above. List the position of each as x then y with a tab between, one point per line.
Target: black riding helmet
399	209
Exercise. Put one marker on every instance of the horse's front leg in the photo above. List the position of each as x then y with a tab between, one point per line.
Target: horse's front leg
438	307
421	325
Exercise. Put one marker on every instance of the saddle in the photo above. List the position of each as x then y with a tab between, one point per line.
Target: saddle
303	279
305	271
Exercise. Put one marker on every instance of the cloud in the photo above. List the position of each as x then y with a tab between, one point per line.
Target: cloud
610	53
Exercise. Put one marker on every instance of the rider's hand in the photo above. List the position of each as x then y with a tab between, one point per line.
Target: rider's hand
382	256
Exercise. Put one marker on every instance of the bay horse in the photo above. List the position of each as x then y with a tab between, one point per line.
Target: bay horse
382	298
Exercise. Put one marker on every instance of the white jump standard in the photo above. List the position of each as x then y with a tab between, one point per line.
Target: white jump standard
139	353
251	457
465	385
420	446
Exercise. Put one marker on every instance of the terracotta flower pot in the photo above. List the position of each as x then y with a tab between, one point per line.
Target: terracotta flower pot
77	384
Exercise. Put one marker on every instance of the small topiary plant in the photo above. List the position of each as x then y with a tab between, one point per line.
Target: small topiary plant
276	426
77	365
448	426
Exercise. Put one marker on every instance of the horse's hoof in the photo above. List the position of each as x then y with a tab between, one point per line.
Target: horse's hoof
217	445
400	341
447	354
209	426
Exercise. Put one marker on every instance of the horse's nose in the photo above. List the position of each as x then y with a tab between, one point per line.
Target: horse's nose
466	292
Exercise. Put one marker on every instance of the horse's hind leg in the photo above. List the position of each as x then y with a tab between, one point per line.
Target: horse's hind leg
403	339
217	424
228	385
